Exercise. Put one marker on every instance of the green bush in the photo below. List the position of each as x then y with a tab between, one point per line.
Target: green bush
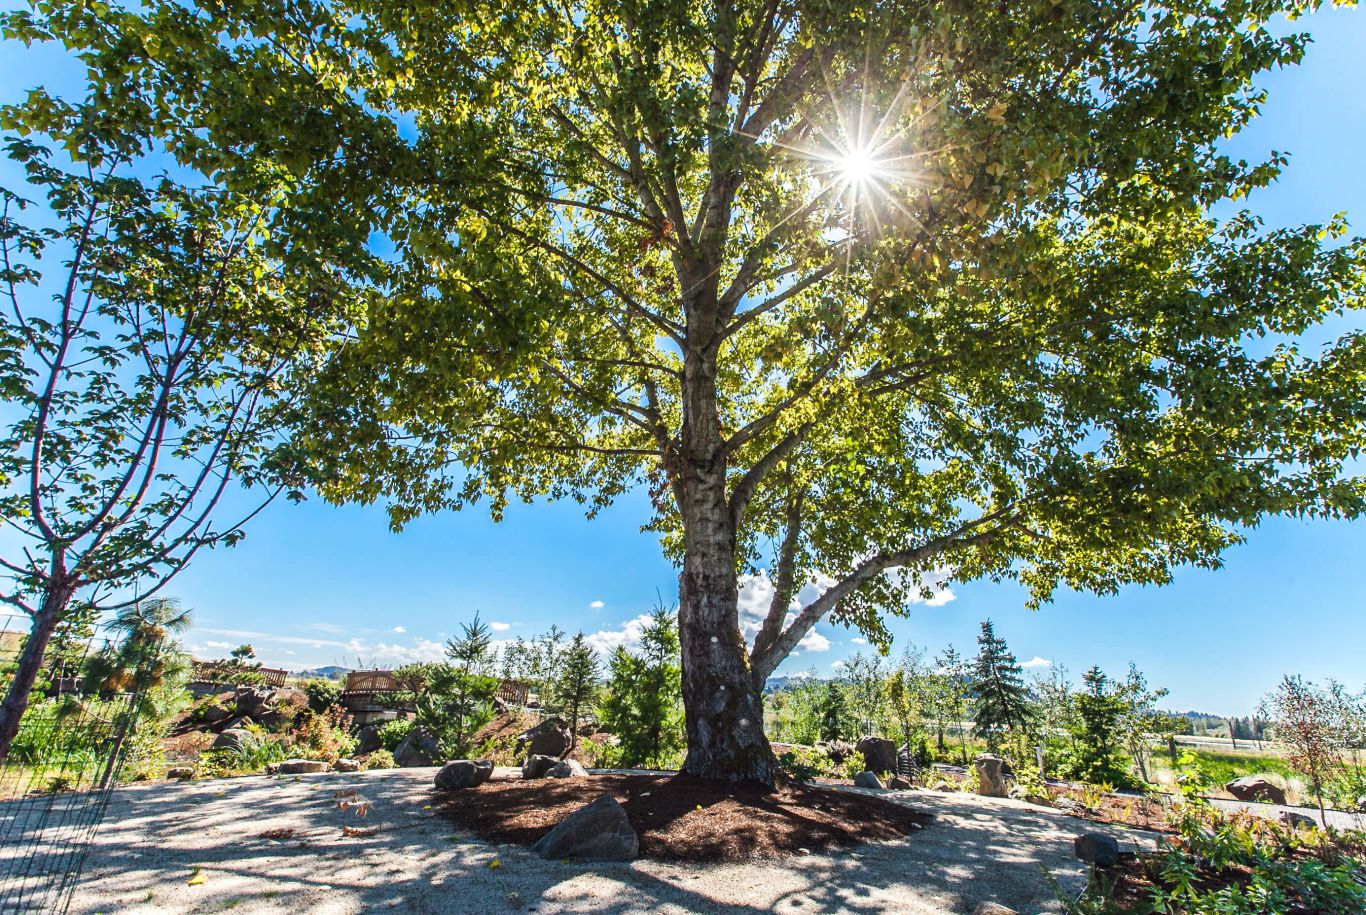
322	693
380	759
391	733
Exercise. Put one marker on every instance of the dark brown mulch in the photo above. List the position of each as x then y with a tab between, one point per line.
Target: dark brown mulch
680	818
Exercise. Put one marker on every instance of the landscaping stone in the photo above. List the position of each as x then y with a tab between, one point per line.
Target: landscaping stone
879	753
180	772
367	740
253	700
943	786
549	738
462	773
837	750
419	748
599	831
233	739
993	908
1097	848
240	721
347	765
298	767
537	766
1255	788
867	780
899	783
567	768
213	714
1361	803
1298	820
991	779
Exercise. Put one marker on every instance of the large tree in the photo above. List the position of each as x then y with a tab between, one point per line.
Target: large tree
862	293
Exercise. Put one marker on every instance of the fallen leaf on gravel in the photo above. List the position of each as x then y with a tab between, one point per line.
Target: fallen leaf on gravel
196	880
495	864
353	831
279	832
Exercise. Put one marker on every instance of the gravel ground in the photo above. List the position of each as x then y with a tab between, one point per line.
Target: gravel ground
201	847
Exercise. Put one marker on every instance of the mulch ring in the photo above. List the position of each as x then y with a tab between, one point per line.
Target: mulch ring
681	818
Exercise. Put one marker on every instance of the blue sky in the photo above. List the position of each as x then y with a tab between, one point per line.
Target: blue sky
316	585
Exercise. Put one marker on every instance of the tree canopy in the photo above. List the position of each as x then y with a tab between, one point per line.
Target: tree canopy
862	293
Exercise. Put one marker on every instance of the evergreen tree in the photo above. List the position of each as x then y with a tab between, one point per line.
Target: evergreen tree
577	684
1098	725
998	686
834	713
458	700
643	706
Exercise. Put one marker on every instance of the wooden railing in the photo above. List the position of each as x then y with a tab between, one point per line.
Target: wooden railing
218	672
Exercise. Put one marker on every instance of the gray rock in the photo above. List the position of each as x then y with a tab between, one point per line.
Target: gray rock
367	740
567	768
599	831
538	766
1298	820
240	721
1361	803
549	738
879	753
419	748
213	714
837	750
993	908
1097	848
991	778
253	700
942	786
867	780
298	766
233	739
347	765
1255	788
180	772
899	783
462	773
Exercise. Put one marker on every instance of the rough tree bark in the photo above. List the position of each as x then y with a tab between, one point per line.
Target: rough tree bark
53	610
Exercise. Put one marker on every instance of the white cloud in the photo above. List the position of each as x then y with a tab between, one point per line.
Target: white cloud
813	641
223	645
399	629
597	605
1037	661
606	641
500	627
859	640
330	628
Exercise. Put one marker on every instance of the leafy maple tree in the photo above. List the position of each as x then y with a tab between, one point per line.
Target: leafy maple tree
863	293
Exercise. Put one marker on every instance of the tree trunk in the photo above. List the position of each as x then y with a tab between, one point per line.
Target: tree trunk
45	622
722	706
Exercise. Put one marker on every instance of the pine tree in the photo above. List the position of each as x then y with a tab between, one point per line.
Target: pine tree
998	686
1098	727
643	707
459	697
577	684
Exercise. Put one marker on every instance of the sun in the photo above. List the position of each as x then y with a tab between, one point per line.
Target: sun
857	166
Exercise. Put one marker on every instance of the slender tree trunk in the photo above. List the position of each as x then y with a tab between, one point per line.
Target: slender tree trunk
722	705
52	611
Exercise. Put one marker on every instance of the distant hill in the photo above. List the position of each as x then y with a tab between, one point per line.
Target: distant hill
775	684
330	672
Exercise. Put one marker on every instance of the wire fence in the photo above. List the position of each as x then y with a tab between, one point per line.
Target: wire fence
56	781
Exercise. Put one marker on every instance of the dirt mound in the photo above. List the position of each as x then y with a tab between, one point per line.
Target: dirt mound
679	818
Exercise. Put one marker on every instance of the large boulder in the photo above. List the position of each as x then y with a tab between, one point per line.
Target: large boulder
213	714
567	768
867	780
991	777
298	767
1255	788
899	784
180	773
367	740
599	831
347	765
419	748
253	700
538	766
463	774
879	753
837	750
549	738
233	739
1097	848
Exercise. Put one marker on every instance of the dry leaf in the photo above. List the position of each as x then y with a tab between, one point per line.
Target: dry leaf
279	832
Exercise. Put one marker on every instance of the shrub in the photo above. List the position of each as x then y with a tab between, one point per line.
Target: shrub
380	759
322	693
391	733
323	736
805	763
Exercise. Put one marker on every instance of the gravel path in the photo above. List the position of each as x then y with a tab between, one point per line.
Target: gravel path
1337	819
199	847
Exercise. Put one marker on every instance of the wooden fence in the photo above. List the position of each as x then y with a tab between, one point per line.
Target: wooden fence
218	672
